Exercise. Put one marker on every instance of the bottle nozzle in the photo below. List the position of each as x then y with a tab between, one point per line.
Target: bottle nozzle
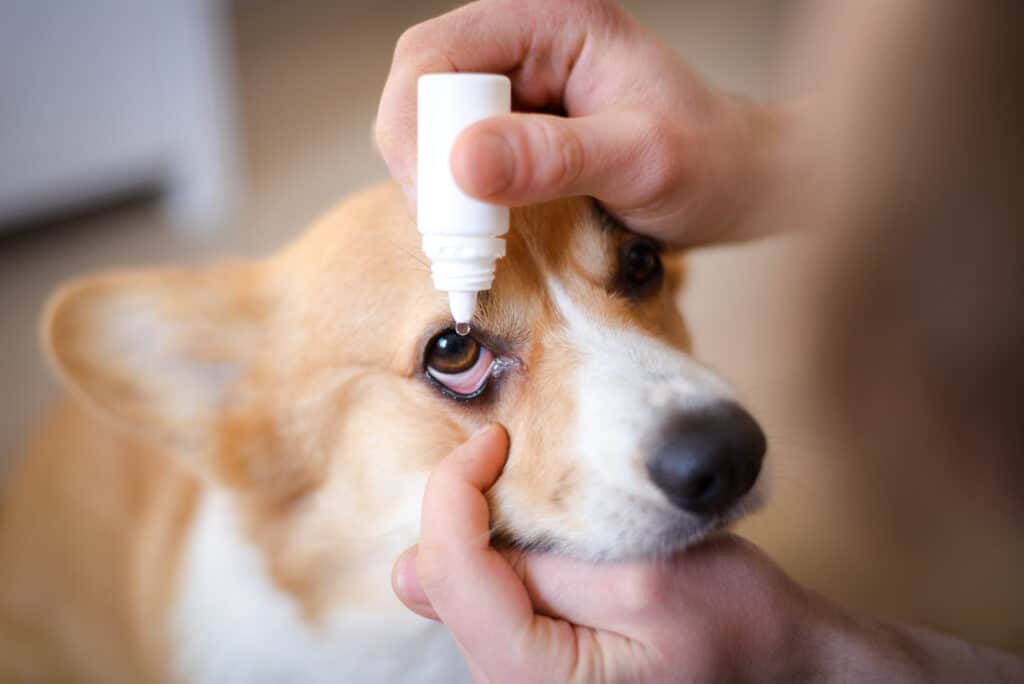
463	306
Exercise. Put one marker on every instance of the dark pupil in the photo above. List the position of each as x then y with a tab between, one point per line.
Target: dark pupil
641	263
453	353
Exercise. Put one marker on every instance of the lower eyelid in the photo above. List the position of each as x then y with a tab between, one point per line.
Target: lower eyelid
469	381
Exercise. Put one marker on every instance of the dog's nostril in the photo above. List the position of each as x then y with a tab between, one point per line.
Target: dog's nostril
700	486
708	460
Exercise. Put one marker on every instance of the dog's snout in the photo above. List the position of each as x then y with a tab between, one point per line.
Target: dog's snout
707	460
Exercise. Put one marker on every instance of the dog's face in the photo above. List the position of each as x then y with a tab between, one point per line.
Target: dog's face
322	385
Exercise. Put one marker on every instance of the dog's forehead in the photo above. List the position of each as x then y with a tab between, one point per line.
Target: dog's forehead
567	239
564	242
359	276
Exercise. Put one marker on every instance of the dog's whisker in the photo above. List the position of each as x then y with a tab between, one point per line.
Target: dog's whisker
418	258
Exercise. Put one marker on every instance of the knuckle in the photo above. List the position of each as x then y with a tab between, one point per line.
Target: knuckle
391	150
432	570
600	16
410	39
667	142
382	137
573	155
596	9
564	155
424	36
667	155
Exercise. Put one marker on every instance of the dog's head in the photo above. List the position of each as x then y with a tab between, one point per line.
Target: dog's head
320	386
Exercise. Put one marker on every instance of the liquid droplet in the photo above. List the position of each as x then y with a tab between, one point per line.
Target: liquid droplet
462	328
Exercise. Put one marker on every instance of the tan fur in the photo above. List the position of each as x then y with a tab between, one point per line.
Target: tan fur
92	524
296	383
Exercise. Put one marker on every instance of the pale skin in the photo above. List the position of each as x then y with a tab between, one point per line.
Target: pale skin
655	149
673	158
721	611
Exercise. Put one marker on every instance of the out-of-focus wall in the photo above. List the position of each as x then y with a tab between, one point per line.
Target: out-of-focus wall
112	96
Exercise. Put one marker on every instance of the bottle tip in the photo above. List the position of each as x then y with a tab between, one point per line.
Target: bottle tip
463	306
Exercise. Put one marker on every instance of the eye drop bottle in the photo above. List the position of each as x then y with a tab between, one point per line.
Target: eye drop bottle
460	233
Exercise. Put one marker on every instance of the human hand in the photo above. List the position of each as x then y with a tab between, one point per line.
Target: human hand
660	149
721	611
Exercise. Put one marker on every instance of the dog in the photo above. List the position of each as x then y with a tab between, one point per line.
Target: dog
244	446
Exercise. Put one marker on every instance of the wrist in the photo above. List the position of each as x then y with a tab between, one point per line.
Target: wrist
779	167
825	644
755	152
855	648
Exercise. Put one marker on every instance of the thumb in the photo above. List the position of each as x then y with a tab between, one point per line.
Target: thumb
631	161
406	585
468	584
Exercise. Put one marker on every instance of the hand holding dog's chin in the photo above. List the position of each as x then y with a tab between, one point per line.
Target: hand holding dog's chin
720	611
663	151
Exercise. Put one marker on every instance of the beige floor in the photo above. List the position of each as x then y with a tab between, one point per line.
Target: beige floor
309	75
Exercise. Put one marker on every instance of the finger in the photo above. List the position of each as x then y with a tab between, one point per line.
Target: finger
406	585
499	36
470	586
564	588
623	158
639	596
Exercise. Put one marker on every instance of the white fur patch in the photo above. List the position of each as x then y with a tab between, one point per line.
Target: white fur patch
628	385
233	624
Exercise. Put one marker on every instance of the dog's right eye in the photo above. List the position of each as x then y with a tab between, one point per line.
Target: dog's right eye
459	364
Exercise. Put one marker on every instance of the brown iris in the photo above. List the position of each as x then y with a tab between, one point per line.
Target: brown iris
452	353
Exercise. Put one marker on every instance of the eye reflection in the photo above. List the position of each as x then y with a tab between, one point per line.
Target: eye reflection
459	363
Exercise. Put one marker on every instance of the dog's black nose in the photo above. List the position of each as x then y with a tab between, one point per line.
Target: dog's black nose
709	458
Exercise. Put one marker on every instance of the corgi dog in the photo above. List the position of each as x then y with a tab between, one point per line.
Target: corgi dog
243	448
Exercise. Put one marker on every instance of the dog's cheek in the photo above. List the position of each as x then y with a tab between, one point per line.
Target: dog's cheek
250	455
532	501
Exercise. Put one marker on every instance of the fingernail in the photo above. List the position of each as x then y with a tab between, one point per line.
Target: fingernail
491	165
407	582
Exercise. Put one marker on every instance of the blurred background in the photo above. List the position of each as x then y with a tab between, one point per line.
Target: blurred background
140	133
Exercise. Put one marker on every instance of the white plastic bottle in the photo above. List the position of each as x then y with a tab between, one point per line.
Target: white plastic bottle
460	233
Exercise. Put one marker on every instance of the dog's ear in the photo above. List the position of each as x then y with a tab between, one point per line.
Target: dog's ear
162	352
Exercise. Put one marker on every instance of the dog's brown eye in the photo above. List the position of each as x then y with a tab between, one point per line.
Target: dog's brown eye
451	352
459	363
640	269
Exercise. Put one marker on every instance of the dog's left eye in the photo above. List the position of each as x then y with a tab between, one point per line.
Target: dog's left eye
460	363
640	269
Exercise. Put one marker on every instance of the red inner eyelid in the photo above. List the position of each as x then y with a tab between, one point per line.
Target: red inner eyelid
468	381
